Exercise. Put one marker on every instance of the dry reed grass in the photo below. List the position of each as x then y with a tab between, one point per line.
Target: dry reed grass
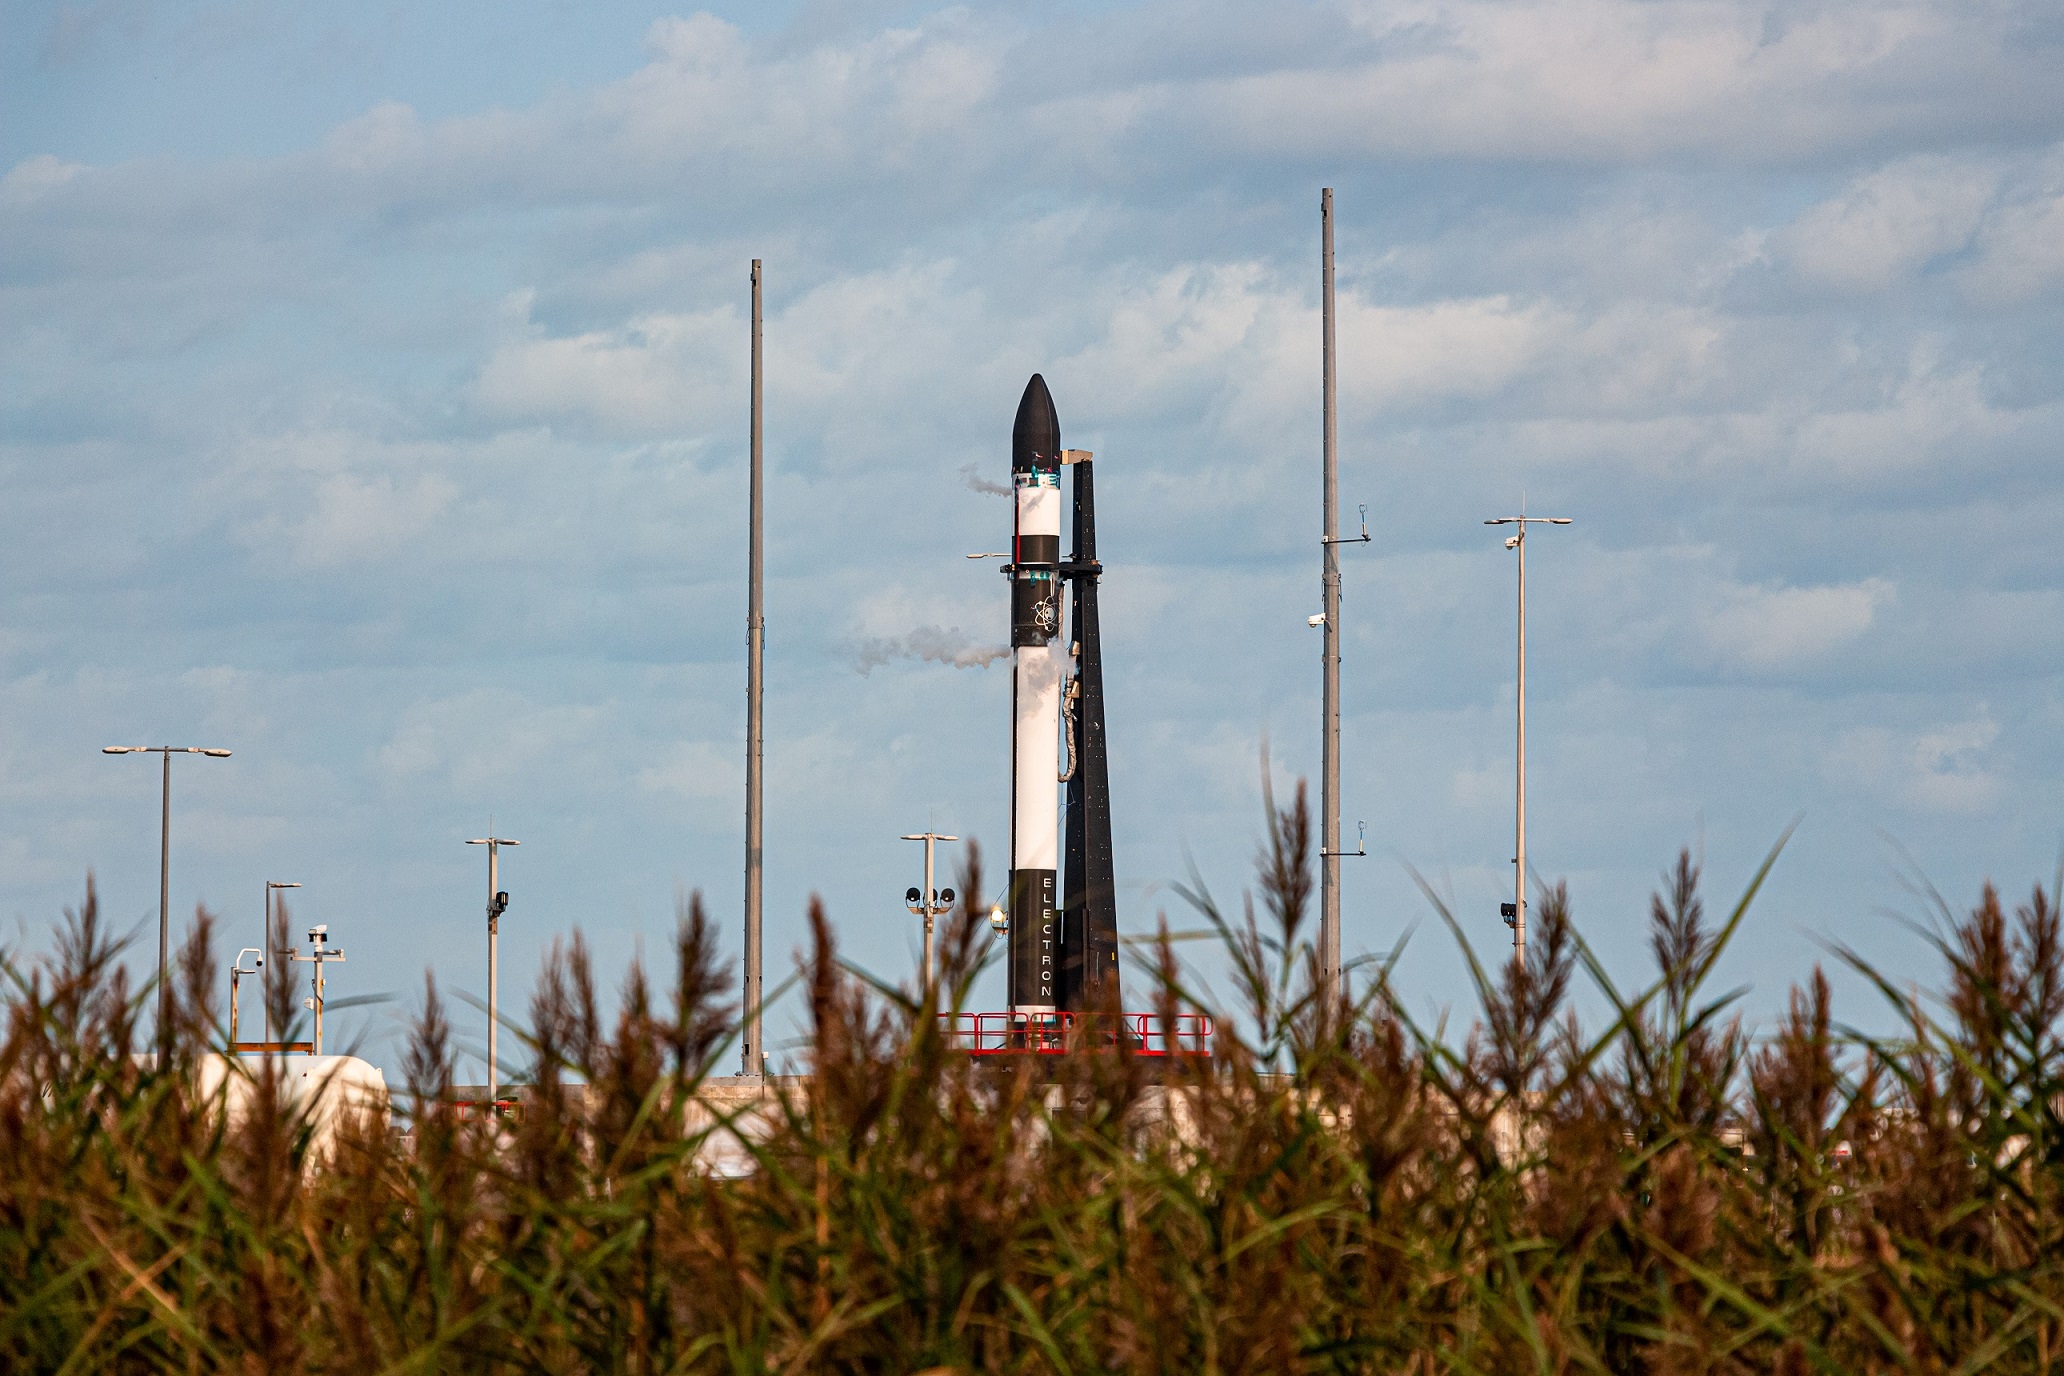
1347	1192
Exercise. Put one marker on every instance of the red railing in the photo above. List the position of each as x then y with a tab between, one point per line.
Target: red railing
1050	1034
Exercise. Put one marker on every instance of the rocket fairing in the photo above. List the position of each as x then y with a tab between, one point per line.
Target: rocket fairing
1037	664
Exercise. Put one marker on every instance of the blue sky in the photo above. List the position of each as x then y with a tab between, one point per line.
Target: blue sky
373	400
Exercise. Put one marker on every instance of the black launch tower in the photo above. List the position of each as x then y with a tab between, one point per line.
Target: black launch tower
1089	899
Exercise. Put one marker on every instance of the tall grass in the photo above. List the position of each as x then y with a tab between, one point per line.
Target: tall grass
1335	1189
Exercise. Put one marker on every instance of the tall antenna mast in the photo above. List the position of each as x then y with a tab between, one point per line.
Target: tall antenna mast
1328	621
755	692
1329	702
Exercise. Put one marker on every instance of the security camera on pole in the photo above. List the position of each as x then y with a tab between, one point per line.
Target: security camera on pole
929	904
1515	911
497	904
236	975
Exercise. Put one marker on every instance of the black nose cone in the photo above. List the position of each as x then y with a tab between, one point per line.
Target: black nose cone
1036	438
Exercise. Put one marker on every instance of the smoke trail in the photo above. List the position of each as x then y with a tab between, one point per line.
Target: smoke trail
927	642
972	476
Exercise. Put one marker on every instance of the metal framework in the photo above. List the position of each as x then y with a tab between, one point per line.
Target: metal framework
1053	1034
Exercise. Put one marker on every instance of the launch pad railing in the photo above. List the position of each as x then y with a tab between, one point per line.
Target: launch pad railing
1052	1034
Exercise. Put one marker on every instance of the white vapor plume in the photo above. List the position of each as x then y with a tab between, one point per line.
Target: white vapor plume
972	476
927	642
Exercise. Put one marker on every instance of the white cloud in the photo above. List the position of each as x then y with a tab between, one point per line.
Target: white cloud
1776	627
1935	410
33	178
697	772
1888	224
359	518
1607	79
886	102
2021	247
1484	789
378	141
656	373
700	42
1237	341
958	105
488	742
1941	770
1445	350
664	373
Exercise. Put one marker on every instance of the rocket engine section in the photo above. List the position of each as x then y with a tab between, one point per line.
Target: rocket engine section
1038	664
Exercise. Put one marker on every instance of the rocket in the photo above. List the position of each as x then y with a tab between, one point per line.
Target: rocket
1063	951
1036	671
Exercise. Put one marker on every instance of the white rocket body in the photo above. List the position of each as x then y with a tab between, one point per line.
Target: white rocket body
1038	662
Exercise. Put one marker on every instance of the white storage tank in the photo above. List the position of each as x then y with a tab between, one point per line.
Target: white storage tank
323	1090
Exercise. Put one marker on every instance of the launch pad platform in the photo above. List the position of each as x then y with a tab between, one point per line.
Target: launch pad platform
1055	1034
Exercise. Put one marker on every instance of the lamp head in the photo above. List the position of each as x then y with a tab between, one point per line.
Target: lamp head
912	896
945	895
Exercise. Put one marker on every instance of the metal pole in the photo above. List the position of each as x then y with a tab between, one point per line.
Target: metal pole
928	905
165	917
755	687
1517	542
316	987
494	967
165	877
929	894
1519	811
1329	768
494	846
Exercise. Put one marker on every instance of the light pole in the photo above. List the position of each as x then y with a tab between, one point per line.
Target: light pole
929	903
165	879
497	904
270	886
1515	913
